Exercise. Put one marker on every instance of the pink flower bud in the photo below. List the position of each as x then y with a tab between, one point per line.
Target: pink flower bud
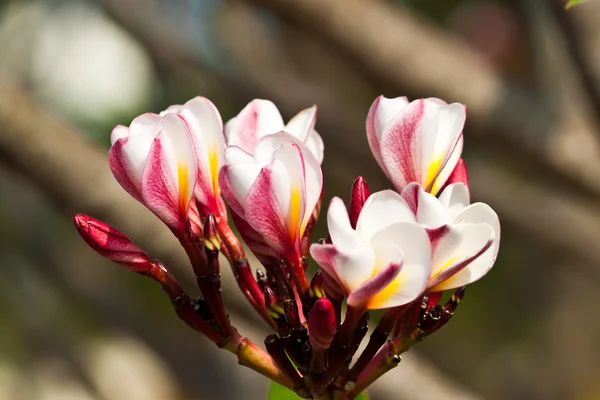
112	244
360	194
322	324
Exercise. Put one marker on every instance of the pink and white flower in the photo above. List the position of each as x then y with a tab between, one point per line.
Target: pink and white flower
206	129
153	160
384	262
465	237
261	117
419	141
272	192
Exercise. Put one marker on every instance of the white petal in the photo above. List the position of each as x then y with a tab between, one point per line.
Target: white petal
342	235
315	144
462	242
454	198
135	153
118	132
204	122
380	114
381	210
236	181
235	155
144	124
266	146
480	213
302	123
257	119
355	266
442	127
449	167
174	109
413	240
183	162
430	211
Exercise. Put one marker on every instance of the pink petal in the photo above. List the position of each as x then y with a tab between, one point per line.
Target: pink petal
263	208
257	119
455	256
170	173
375	285
380	114
419	141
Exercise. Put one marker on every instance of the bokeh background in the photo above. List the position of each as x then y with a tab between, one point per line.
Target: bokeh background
73	326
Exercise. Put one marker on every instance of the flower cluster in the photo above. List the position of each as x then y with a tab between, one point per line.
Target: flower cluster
395	250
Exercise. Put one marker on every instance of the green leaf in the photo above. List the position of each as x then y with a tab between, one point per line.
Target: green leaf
572	3
278	392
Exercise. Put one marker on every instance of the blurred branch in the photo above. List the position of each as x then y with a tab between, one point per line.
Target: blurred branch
576	50
401	51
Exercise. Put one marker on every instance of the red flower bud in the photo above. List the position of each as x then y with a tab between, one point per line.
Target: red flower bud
112	244
322	324
459	174
360	194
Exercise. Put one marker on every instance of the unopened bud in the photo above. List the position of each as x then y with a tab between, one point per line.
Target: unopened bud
111	243
322	324
360	194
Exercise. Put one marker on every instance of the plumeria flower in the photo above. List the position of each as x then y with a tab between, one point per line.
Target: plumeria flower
465	237
206	128
420	141
384	262
153	160
272	192
261	117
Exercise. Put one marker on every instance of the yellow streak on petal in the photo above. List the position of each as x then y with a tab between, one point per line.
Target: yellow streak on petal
294	211
184	189
432	172
213	166
443	267
384	294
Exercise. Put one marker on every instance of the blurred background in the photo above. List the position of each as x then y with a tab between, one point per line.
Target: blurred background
73	326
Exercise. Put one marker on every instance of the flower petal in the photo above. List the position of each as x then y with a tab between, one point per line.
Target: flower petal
449	168
430	211
380	114
351	269
315	144
381	210
235	181
257	119
235	155
419	141
341	232
205	125
455	198
127	158
169	176
275	203
369	292
302	123
474	214
410	283
455	258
